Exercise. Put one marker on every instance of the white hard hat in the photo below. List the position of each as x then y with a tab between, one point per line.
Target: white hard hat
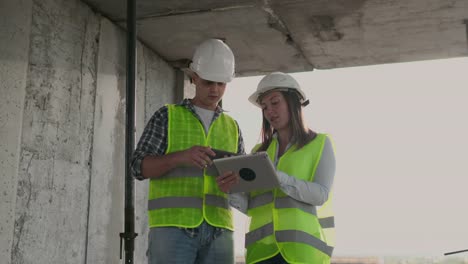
214	61
280	81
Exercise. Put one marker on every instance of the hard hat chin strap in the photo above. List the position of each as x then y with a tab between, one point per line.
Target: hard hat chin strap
305	103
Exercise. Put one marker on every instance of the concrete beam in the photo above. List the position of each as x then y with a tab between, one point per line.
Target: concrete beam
377	32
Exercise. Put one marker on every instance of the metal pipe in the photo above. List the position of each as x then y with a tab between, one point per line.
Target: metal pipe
455	252
129	234
465	21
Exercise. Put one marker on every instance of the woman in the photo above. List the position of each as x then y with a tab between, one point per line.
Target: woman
285	225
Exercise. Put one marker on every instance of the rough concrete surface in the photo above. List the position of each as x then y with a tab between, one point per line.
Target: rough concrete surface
141	188
14	46
106	193
63	132
160	78
377	32
298	35
155	87
54	169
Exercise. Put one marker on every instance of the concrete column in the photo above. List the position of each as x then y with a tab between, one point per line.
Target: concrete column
15	23
51	209
160	83
156	86
108	155
189	88
183	86
62	125
141	188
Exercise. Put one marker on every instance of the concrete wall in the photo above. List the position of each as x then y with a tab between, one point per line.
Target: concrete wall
62	131
13	67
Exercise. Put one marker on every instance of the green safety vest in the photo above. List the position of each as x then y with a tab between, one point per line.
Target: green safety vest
281	224
185	196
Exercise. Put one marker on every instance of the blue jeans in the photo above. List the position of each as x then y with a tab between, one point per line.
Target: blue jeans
205	244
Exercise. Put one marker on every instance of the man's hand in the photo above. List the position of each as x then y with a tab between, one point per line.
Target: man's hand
198	156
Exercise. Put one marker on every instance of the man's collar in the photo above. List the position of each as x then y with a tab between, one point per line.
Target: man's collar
188	103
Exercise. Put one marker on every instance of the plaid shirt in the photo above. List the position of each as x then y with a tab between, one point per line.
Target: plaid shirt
153	141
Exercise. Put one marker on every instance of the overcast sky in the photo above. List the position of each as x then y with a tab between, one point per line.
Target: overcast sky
400	133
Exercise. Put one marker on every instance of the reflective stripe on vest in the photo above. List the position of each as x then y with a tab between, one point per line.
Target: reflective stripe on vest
327	222
288	202
184	172
303	237
258	234
281	203
187	202
287	236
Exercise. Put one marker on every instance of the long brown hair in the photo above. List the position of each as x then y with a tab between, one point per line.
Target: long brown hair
301	135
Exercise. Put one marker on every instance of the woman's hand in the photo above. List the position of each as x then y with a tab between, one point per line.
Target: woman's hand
226	180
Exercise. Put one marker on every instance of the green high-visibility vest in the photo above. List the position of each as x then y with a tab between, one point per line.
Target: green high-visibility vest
281	224
185	196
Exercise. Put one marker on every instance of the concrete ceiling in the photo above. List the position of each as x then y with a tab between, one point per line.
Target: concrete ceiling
300	35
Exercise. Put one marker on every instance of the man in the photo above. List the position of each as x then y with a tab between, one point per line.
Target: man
189	217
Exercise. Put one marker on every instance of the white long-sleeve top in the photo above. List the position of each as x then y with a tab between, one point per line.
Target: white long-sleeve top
314	193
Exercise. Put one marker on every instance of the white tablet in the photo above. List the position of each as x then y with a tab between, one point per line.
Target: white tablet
211	170
256	171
